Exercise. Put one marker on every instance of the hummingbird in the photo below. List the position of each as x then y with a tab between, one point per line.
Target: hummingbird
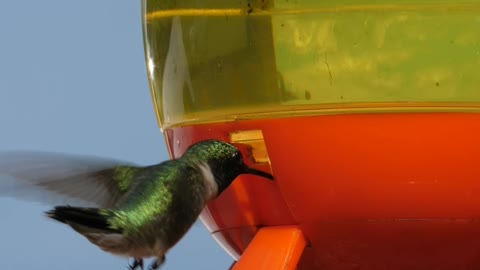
124	209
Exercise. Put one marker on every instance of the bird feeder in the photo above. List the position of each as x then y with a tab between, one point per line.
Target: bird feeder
366	113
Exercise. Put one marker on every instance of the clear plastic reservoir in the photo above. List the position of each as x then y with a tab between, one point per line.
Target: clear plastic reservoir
229	59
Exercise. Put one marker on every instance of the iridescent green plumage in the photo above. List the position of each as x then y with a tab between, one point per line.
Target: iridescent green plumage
153	197
124	176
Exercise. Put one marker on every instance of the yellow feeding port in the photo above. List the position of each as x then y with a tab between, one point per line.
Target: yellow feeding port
222	60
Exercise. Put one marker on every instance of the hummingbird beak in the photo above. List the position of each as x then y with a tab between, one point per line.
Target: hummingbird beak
253	171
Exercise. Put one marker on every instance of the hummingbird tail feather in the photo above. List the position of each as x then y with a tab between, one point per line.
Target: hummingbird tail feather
93	224
87	217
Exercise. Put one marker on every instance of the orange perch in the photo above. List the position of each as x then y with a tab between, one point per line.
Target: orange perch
273	248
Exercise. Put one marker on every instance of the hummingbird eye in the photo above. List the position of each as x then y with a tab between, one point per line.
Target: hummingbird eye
237	156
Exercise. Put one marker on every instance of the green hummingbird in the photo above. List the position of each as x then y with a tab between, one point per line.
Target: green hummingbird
127	210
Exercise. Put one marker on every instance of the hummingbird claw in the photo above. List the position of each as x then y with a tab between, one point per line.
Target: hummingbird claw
157	263
135	264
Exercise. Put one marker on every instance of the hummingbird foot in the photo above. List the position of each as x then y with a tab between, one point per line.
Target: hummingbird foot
157	263
136	263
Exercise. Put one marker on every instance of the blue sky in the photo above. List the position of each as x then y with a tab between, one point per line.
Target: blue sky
73	79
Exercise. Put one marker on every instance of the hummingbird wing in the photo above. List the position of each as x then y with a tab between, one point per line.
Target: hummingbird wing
57	178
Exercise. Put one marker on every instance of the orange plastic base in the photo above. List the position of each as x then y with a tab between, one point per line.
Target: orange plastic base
273	248
369	192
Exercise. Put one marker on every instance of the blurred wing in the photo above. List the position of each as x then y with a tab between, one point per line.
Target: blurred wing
57	178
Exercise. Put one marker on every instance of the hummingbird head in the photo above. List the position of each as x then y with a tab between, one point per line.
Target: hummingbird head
224	160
